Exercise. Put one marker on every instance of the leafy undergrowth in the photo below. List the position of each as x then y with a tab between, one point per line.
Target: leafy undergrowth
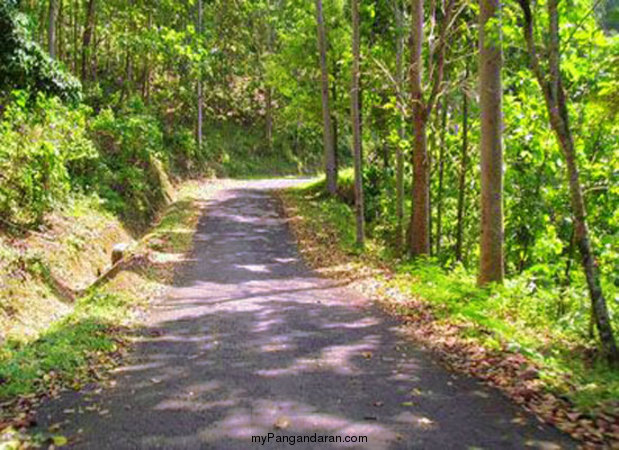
239	151
81	347
509	336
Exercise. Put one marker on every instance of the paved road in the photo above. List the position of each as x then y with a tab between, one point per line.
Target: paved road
251	342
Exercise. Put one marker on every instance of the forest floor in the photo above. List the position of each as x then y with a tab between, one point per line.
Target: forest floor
251	341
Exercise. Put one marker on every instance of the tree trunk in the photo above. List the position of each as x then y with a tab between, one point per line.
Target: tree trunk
419	229
399	168
556	104
87	38
268	95
199	87
94	55
146	69
43	23
356	123
51	30
598	302
75	52
441	168
60	38
269	117
334	121
463	170
330	168
490	63
431	147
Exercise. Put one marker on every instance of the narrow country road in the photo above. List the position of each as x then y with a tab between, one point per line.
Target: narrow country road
250	342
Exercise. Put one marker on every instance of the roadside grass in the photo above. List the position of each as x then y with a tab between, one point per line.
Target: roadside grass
540	323
66	353
517	318
80	347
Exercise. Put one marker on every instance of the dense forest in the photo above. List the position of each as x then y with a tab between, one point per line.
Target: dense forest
477	136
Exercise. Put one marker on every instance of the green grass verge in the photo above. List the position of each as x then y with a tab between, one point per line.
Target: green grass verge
543	323
68	352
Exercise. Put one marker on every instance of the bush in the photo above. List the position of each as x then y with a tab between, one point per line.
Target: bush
131	177
47	149
24	65
38	143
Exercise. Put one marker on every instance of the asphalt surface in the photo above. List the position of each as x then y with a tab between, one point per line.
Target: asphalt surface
251	342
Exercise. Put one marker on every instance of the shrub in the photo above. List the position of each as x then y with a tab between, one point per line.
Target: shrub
24	65
38	143
131	177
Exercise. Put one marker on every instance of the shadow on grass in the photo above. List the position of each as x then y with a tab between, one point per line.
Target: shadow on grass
67	353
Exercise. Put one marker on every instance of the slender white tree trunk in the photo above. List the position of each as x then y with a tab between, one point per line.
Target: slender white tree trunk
356	123
330	166
199	84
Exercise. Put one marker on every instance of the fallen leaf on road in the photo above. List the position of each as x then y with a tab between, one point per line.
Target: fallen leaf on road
59	440
281	423
54	427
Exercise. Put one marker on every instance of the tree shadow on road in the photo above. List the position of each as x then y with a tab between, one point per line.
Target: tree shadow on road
250	342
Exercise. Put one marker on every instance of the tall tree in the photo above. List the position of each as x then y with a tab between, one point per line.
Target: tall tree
200	100
330	165
268	95
51	29
399	158
356	122
75	23
555	98
441	173
419	232
89	29
60	34
463	168
491	144
422	106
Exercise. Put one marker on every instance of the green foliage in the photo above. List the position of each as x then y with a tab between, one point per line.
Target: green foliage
331	216
608	15
236	150
130	176
47	149
38	146
24	65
